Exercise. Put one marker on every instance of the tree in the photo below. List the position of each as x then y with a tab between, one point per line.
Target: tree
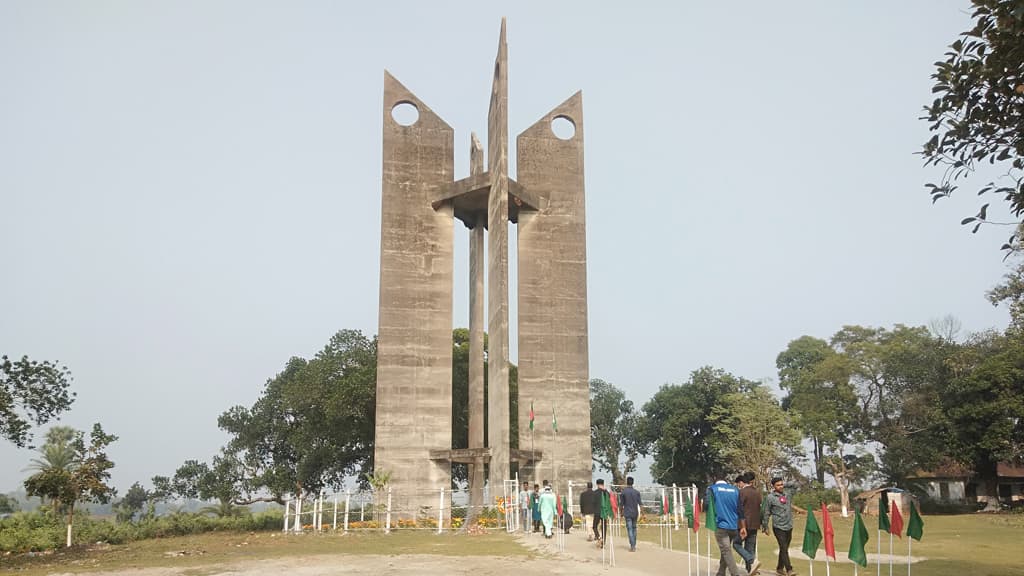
8	505
753	433
677	426
984	403
978	115
132	503
312	426
87	480
31	393
820	396
614	430
224	482
1011	293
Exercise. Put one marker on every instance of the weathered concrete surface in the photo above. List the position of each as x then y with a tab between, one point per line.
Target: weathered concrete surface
414	350
553	345
476	336
498	428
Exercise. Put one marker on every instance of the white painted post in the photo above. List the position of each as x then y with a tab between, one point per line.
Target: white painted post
570	497
440	512
334	526
675	505
362	511
348	498
298	515
287	509
387	520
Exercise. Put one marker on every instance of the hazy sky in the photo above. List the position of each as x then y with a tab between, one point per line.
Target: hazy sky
190	190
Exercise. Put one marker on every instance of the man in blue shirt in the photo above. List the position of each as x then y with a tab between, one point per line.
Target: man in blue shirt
730	525
629	503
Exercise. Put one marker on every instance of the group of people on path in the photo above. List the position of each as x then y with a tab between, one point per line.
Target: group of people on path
740	511
538	508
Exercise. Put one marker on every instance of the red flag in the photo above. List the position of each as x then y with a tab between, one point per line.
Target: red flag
559	500
664	504
696	512
895	521
615	503
830	533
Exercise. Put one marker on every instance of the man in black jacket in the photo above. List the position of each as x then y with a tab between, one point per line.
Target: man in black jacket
589	507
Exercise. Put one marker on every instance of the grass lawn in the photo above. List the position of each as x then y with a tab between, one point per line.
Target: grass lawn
963	545
219	547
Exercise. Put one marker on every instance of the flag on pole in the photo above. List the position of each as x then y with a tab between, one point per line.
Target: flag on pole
711	522
812	535
554	421
858	540
829	532
883	511
531	415
615	504
607	511
915	527
560	507
666	505
696	511
688	512
896	524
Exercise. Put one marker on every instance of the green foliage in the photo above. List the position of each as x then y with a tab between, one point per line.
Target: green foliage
31	393
812	496
978	114
984	403
313	424
614	430
678	426
85	481
38	531
132	503
8	504
753	433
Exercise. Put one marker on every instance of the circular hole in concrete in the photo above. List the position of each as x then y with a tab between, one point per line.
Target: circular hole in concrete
405	113
563	127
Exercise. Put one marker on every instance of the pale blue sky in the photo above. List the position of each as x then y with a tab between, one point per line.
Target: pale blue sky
190	190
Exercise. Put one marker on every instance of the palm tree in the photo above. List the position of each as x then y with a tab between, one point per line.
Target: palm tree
57	453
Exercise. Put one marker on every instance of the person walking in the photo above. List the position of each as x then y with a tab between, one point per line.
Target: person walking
548	510
588	507
629	503
750	504
602	498
730	525
535	507
524	506
779	510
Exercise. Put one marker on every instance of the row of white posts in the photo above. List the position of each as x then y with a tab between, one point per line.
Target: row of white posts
343	512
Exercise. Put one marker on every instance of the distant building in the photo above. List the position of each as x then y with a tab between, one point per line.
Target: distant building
956	484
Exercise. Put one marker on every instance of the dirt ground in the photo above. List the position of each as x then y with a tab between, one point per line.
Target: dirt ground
571	555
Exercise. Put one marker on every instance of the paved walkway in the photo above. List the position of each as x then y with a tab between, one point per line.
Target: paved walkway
650	557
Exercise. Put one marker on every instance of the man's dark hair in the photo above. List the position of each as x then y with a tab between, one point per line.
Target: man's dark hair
590	485
740	478
749	477
546	483
629	480
776	479
600	481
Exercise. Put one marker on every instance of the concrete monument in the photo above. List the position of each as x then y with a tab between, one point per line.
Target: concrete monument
420	200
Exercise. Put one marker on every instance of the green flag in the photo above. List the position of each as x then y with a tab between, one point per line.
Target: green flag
883	511
688	511
554	421
711	522
858	541
915	527
606	505
531	415
812	535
